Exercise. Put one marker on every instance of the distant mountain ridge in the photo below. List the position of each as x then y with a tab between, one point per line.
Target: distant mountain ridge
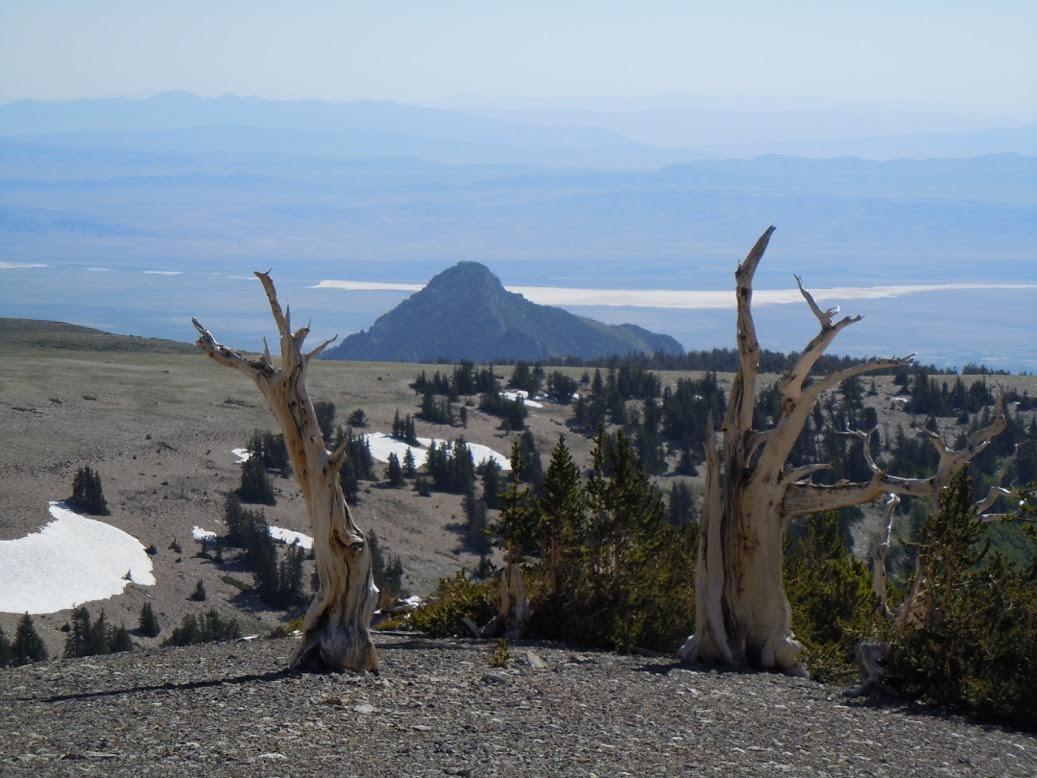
185	122
465	312
40	333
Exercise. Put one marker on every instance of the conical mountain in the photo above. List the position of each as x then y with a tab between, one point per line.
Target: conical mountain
465	312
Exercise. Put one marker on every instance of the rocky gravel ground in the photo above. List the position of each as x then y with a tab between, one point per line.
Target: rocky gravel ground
439	708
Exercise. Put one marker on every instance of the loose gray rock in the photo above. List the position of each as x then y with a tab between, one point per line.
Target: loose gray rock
436	710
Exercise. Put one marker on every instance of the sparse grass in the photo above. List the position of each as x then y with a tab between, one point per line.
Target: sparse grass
498	655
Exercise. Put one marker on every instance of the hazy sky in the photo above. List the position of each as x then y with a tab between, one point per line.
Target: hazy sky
957	56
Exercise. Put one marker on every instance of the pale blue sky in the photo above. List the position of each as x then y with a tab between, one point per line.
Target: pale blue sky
973	59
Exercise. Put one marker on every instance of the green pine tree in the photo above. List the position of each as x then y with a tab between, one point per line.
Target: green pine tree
148	624
409	468
325	412
80	632
28	646
6	653
969	640
87	494
560	510
394	472
120	640
256	486
100	637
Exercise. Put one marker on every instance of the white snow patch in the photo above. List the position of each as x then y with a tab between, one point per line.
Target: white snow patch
241	454
366	286
20	265
72	560
382	445
687	298
521	394
290	536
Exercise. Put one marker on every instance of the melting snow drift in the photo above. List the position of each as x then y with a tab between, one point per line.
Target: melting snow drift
70	561
290	536
521	394
382	445
202	534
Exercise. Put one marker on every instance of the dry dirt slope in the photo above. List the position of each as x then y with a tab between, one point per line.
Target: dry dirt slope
438	708
159	427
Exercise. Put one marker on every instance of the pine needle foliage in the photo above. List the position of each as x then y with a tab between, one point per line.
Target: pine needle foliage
148	623
28	645
6	654
89	637
87	494
972	643
455	598
830	594
208	627
603	565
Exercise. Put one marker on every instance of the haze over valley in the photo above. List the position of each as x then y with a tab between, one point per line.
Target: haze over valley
125	214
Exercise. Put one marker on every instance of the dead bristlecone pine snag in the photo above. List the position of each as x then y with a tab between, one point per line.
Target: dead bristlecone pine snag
337	626
742	615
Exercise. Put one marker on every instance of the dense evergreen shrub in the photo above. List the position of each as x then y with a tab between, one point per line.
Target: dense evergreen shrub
256	486
270	451
325	412
511	412
278	578
87	494
972	645
603	564
454	598
6	654
680	508
435	411
148	623
830	595
92	638
205	628
404	429
451	466
490	472
387	571
394	471
27	646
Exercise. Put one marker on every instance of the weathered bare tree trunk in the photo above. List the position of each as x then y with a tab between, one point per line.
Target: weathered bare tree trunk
513	611
336	630
742	616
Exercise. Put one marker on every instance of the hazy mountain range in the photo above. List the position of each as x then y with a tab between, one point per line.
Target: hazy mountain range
387	192
187	123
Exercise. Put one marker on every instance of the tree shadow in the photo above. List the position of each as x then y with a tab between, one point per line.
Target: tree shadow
677	664
273	675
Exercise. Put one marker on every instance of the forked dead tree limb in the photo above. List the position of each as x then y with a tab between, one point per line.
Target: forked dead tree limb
913	609
336	629
742	616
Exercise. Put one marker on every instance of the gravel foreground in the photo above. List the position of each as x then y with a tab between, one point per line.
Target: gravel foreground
438	708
